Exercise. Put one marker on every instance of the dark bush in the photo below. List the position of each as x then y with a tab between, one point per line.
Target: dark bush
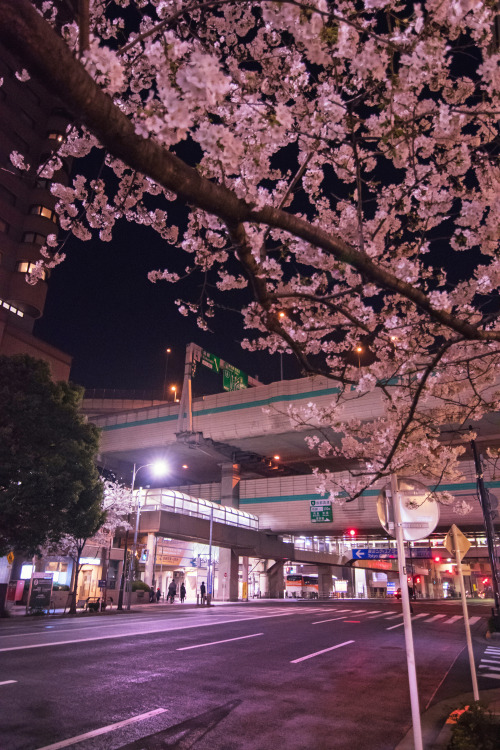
475	729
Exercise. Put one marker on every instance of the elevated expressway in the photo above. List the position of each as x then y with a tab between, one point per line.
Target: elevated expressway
243	451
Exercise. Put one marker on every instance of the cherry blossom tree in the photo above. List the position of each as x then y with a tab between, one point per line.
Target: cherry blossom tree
339	163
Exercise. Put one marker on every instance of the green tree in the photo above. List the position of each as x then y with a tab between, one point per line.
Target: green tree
49	483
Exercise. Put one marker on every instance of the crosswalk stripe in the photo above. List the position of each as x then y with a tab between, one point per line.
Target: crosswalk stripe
374	617
488	666
393	617
473	620
453	619
490	674
491	661
436	617
423	614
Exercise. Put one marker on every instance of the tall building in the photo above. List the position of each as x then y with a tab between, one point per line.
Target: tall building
33	124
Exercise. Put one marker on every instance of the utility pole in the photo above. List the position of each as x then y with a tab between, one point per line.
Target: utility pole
484	499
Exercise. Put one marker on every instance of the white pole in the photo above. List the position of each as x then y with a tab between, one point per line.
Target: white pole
466	615
134	547
209	569
405	598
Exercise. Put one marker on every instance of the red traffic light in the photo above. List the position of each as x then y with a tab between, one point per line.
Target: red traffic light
417	580
437	558
485	580
352	532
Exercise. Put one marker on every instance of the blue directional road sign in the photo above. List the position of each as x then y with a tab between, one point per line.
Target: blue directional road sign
390	554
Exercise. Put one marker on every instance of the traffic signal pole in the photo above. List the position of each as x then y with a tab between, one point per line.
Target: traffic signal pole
484	500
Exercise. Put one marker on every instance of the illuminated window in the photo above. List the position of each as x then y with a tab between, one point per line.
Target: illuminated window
12	309
26	571
47	213
25	266
54	136
34	238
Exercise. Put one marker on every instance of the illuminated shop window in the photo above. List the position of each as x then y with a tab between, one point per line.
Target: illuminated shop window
54	136
47	213
25	266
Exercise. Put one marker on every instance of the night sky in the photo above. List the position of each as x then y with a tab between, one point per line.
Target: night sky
102	310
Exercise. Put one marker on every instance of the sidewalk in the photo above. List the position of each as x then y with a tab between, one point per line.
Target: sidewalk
436	733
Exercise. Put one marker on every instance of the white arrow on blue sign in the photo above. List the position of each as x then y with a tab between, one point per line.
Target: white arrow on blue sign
389	554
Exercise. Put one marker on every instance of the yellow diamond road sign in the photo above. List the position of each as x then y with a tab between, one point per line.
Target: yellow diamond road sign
462	542
10	557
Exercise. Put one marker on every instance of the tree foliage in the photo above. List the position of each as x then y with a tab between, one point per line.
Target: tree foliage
48	479
340	163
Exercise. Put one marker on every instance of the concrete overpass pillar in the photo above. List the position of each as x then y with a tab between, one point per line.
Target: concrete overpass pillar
230	485
324	580
228	575
228	560
275	581
244	565
149	570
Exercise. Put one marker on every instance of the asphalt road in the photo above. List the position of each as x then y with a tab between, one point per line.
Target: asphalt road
303	676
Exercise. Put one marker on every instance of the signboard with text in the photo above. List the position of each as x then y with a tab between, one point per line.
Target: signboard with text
389	553
233	379
321	511
41	591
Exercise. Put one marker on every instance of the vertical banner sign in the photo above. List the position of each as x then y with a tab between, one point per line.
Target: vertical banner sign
321	511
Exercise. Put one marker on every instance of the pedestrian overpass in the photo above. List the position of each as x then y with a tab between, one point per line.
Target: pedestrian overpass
169	513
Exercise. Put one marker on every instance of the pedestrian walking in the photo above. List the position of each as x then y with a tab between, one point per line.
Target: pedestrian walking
203	592
183	592
158	594
172	590
151	595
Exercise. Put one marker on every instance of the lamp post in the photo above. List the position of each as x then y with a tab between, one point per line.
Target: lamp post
174	389
159	469
165	391
281	315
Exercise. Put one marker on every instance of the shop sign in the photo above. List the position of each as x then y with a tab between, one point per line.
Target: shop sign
321	511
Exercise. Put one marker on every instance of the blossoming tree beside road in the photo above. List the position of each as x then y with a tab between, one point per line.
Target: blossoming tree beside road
343	169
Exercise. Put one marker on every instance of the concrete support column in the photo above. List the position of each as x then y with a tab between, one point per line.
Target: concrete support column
244	565
228	575
230	485
275	581
324	580
149	571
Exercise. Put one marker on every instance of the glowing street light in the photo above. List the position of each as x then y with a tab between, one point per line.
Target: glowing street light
174	389
159	468
281	315
359	351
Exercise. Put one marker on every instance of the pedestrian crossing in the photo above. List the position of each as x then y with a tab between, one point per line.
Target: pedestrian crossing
341	613
489	666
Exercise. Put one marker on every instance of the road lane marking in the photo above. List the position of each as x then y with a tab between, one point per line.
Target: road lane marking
490	661
490	675
333	619
7	682
215	643
394	617
436	617
318	653
103	730
453	619
393	627
473	620
374	617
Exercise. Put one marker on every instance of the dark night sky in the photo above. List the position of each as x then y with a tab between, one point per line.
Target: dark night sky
102	310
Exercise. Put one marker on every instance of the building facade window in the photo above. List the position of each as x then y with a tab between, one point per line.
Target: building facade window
47	213
55	136
11	308
25	266
34	238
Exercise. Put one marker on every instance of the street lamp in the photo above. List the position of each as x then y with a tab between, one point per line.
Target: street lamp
359	350
174	389
281	315
159	468
167	352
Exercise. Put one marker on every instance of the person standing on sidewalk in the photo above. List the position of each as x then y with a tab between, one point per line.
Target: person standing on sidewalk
182	592
203	592
172	590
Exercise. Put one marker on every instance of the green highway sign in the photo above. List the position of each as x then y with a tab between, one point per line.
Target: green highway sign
210	361
321	511
233	379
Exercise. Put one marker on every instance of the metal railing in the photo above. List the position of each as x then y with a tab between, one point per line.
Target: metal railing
178	502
